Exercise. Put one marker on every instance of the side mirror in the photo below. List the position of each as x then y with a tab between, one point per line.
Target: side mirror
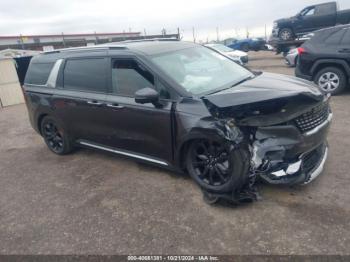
146	95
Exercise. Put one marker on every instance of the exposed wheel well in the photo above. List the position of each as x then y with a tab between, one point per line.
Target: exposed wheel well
322	66
183	152
40	119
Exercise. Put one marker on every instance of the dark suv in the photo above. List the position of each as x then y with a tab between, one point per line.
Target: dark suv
325	59
181	106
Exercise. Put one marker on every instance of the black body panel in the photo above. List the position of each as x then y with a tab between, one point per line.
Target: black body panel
252	111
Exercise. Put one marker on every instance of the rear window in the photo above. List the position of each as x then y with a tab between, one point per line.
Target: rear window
325	9
38	73
87	74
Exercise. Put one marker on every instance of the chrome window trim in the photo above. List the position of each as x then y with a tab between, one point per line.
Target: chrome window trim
51	81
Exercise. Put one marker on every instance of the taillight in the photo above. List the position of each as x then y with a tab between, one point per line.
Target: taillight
301	50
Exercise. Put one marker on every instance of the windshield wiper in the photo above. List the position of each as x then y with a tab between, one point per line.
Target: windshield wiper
235	84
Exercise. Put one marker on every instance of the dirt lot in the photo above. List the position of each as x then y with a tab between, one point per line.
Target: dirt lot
94	203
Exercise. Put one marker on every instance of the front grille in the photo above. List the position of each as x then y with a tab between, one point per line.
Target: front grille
313	118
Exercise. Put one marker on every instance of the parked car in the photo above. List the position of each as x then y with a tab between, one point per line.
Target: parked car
181	106
325	59
236	55
291	57
309	19
254	44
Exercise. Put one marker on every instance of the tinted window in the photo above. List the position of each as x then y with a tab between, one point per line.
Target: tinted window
324	9
308	11
128	77
346	38
38	74
334	38
85	75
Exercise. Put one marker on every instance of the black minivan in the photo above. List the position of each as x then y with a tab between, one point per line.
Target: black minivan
181	106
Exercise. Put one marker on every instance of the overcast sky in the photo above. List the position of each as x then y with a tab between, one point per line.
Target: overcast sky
232	17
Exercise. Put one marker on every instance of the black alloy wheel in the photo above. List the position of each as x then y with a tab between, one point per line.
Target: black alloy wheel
211	164
55	137
218	167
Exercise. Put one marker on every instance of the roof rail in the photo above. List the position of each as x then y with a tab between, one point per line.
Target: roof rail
84	48
149	40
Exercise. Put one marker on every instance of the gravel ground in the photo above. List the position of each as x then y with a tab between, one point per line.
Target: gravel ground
95	203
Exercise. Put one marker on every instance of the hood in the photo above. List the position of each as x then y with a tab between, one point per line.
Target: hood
268	99
285	20
264	87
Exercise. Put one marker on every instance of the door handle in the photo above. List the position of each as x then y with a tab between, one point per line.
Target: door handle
95	103
115	106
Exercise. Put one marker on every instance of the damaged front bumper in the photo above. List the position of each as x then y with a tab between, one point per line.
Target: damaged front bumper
303	171
283	155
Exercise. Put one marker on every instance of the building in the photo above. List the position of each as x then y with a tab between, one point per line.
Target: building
10	89
50	42
13	53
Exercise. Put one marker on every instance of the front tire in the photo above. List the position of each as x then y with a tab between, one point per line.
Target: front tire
331	80
286	34
55	136
215	167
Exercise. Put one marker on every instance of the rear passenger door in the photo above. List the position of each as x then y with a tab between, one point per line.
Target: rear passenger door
139	128
80	97
344	46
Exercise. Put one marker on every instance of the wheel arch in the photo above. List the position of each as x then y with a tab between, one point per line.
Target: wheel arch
40	120
321	64
185	142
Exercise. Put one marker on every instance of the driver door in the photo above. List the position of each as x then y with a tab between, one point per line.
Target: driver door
138	128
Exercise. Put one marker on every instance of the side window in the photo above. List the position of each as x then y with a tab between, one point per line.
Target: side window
346	38
334	38
308	12
88	74
128	77
325	9
38	73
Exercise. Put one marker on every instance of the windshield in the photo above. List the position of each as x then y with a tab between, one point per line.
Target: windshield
201	70
222	48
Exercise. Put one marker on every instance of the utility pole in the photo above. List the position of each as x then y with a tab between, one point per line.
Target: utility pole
217	34
193	34
144	32
96	39
178	33
21	41
265	33
64	42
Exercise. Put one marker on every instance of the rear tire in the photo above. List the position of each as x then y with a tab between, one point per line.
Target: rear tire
331	80
215	167
55	136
